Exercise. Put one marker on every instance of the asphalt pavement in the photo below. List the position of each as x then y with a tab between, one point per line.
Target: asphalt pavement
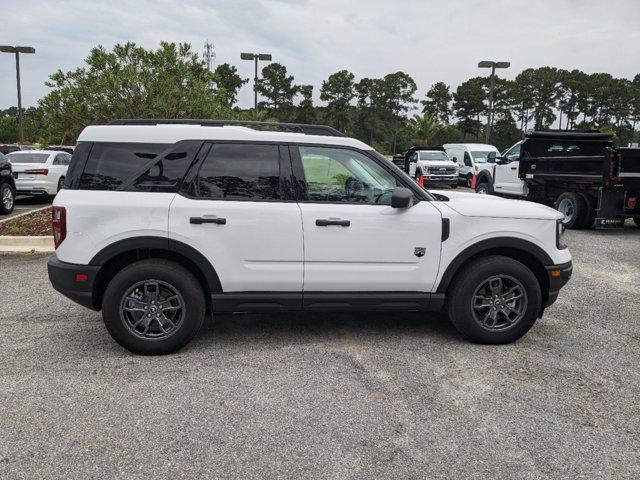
328	395
26	204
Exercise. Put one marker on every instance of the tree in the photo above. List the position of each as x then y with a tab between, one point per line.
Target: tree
468	103
368	119
338	91
228	82
278	88
424	128
438	102
395	96
129	81
541	86
305	111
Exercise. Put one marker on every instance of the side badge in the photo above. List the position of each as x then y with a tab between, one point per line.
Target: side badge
419	251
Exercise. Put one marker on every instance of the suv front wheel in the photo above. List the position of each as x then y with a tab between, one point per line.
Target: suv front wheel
153	307
494	300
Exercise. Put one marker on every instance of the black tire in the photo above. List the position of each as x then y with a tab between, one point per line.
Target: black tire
454	185
574	207
60	183
463	289
636	220
469	180
167	273
590	216
7	199
484	187
418	175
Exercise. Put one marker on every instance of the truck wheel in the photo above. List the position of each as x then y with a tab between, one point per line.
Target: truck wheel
590	216
636	220
484	188
418	175
469	180
7	199
153	307
574	208
494	300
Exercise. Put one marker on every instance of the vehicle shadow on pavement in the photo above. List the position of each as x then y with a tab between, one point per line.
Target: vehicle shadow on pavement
295	328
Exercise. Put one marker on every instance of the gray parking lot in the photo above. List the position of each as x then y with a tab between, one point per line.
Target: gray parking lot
328	396
26	205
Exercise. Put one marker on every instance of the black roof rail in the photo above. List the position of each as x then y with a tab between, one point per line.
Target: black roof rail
323	130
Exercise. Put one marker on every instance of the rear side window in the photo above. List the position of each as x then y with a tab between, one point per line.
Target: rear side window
239	172
136	166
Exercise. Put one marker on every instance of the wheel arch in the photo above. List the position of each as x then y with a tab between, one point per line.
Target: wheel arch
484	175
523	251
116	256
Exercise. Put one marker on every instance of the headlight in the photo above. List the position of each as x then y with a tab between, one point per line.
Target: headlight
559	234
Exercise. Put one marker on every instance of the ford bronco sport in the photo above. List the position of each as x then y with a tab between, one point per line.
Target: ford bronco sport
161	221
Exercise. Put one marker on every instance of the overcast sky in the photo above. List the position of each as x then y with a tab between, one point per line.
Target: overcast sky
431	40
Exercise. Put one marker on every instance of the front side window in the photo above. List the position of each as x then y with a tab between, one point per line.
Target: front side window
513	154
239	172
481	157
345	176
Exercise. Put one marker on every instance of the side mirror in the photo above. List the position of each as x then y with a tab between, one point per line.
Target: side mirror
401	198
455	159
491	158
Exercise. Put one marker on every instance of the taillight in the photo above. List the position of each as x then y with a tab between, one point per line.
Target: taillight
38	171
59	225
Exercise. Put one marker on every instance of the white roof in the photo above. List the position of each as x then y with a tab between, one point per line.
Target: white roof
480	147
48	152
167	133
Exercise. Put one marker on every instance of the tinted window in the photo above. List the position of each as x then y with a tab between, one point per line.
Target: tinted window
345	176
467	159
239	172
136	166
76	166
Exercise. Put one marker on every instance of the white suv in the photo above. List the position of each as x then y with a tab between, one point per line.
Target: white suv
162	221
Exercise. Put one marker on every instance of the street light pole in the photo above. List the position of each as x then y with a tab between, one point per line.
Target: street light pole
492	65
265	57
17	51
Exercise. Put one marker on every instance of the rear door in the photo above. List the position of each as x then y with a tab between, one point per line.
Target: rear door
354	241
237	209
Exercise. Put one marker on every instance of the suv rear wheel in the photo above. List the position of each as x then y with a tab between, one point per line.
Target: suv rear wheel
153	307
7	199
494	300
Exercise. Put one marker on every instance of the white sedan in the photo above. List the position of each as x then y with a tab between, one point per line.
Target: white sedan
39	172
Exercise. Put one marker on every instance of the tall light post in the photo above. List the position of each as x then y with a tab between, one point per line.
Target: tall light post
18	51
492	65
264	57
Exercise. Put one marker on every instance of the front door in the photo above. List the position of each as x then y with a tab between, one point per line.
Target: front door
236	210
506	175
354	241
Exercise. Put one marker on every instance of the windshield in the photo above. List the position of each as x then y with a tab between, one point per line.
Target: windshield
23	157
480	157
432	156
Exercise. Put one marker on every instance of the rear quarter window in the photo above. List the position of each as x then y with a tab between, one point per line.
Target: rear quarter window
131	166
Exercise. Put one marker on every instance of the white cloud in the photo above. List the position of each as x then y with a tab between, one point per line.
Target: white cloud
430	40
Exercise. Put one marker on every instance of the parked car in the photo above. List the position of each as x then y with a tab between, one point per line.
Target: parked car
7	186
471	159
39	172
161	221
430	166
61	148
582	174
8	148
